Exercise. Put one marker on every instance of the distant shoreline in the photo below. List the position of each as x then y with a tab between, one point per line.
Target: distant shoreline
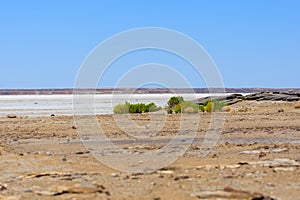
143	91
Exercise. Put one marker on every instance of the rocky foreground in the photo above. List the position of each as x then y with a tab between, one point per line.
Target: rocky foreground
257	157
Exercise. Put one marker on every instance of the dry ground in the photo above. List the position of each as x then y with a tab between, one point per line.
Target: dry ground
258	151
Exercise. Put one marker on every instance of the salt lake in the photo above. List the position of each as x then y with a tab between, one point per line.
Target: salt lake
46	105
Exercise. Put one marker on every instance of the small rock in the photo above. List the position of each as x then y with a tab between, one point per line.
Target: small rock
285	169
153	183
11	116
52	115
277	162
165	172
279	150
266	147
262	154
126	177
232	166
82	152
114	175
64	159
3	187
160	176
210	167
264	151
181	177
57	190
250	152
280	110
230	193
214	156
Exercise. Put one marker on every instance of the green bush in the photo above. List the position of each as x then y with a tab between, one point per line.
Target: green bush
212	106
173	101
121	108
169	111
178	105
202	108
218	105
205	103
135	108
177	109
209	107
153	108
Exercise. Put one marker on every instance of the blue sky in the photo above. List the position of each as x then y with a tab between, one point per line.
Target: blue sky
254	43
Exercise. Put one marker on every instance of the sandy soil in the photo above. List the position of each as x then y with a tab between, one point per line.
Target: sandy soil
258	152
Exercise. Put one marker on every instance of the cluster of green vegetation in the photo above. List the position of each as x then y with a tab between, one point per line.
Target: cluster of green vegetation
175	105
173	101
212	106
135	108
178	105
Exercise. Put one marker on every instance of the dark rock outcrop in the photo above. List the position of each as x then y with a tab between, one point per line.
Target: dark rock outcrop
230	99
262	96
273	96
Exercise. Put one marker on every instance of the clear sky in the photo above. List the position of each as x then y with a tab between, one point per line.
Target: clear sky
254	43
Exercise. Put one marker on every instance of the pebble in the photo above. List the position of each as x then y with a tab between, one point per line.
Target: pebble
11	116
165	172
262	154
114	175
3	186
285	169
181	177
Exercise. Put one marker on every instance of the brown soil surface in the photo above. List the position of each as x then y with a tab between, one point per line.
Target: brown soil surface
258	152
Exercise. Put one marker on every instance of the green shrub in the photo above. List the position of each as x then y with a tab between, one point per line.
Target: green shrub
209	107
121	109
212	106
202	108
177	108
135	108
218	105
152	107
206	102
169	111
173	101
178	105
